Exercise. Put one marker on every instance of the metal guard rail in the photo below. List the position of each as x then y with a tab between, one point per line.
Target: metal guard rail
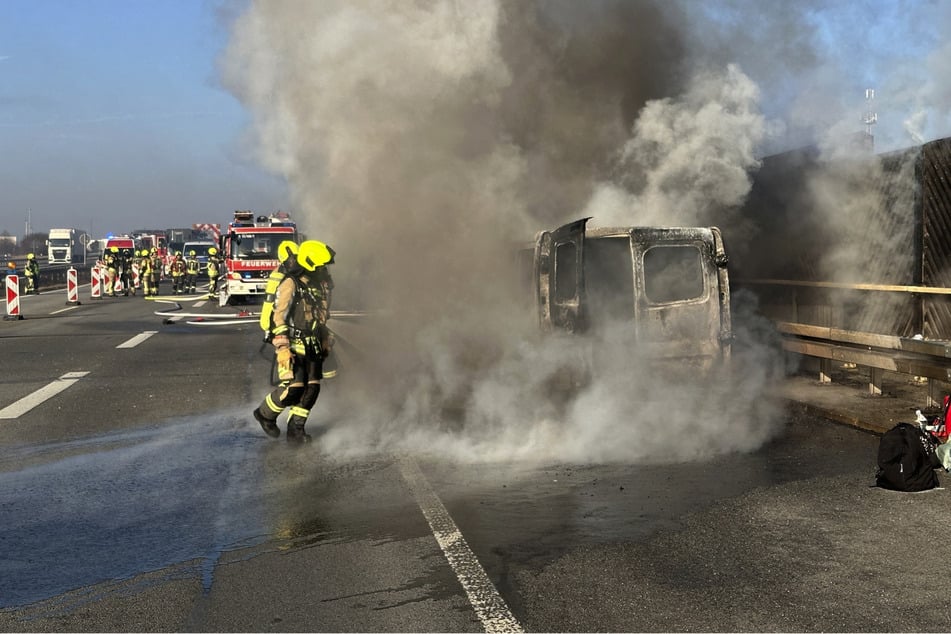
54	276
904	355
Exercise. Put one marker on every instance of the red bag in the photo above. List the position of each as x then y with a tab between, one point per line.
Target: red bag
940	426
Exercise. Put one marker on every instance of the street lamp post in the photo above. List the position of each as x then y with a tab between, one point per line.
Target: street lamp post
84	239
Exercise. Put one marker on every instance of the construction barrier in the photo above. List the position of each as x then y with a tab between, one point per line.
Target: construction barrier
95	283
72	286
13	298
117	286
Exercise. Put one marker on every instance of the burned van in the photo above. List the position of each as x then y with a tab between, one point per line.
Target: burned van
668	288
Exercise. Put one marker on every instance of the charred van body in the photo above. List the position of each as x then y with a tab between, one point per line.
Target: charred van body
667	288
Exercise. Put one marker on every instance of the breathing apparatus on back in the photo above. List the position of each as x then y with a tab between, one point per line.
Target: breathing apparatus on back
286	254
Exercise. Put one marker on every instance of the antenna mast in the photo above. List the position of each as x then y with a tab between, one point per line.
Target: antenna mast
871	117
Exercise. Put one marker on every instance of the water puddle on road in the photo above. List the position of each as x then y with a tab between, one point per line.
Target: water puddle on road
112	507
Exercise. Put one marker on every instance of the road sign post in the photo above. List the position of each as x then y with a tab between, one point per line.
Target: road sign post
95	282
13	298
72	287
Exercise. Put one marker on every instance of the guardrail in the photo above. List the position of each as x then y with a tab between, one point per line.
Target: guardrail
879	353
54	275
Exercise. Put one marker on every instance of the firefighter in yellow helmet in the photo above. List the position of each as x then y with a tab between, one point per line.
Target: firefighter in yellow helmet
212	270
286	252
111	259
32	272
144	264
156	266
192	268
301	340
177	269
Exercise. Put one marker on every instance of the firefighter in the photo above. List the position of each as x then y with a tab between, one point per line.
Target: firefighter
212	272
144	265
286	252
111	261
177	269
125	271
155	270
192	268
32	272
301	341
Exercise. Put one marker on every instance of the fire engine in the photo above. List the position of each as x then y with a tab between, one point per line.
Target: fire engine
249	250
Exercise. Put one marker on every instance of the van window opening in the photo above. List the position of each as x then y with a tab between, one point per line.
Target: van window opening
566	278
609	279
673	273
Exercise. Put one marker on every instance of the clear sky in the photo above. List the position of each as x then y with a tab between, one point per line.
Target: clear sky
112	118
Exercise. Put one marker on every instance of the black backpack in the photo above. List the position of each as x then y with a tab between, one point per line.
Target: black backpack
907	459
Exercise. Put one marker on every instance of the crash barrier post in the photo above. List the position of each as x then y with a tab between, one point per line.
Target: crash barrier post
72	286
95	283
13	298
117	286
135	277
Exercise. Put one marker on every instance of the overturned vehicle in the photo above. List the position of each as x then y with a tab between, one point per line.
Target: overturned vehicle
666	290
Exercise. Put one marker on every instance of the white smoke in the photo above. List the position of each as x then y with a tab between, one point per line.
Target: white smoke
690	158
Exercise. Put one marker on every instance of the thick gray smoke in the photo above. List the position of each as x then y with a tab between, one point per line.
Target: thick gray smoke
426	141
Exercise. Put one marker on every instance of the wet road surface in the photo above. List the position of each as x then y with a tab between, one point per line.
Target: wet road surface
145	498
200	509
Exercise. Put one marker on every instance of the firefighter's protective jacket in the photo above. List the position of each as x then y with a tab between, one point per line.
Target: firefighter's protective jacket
302	308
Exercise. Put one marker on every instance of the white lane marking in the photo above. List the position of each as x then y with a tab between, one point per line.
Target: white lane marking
27	403
200	304
63	310
488	605
136	340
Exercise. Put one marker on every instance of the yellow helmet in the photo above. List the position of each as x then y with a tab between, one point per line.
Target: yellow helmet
286	249
153	251
212	251
312	254
30	257
114	249
191	253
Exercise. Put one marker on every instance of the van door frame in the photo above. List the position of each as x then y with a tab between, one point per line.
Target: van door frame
555	309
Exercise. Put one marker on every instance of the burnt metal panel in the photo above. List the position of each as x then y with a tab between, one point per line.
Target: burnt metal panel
936	236
904	238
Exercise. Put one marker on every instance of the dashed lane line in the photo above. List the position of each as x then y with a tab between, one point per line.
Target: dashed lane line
46	392
63	310
484	598
136	340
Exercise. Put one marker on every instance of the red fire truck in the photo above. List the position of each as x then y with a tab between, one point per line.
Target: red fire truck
249	249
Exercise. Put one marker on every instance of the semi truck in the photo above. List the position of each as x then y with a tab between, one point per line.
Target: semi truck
65	246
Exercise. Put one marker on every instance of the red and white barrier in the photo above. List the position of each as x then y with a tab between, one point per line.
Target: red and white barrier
95	283
72	286
13	297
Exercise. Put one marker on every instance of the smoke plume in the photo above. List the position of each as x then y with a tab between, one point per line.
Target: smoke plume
426	141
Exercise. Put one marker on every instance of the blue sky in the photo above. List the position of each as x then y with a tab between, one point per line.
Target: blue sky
112	118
